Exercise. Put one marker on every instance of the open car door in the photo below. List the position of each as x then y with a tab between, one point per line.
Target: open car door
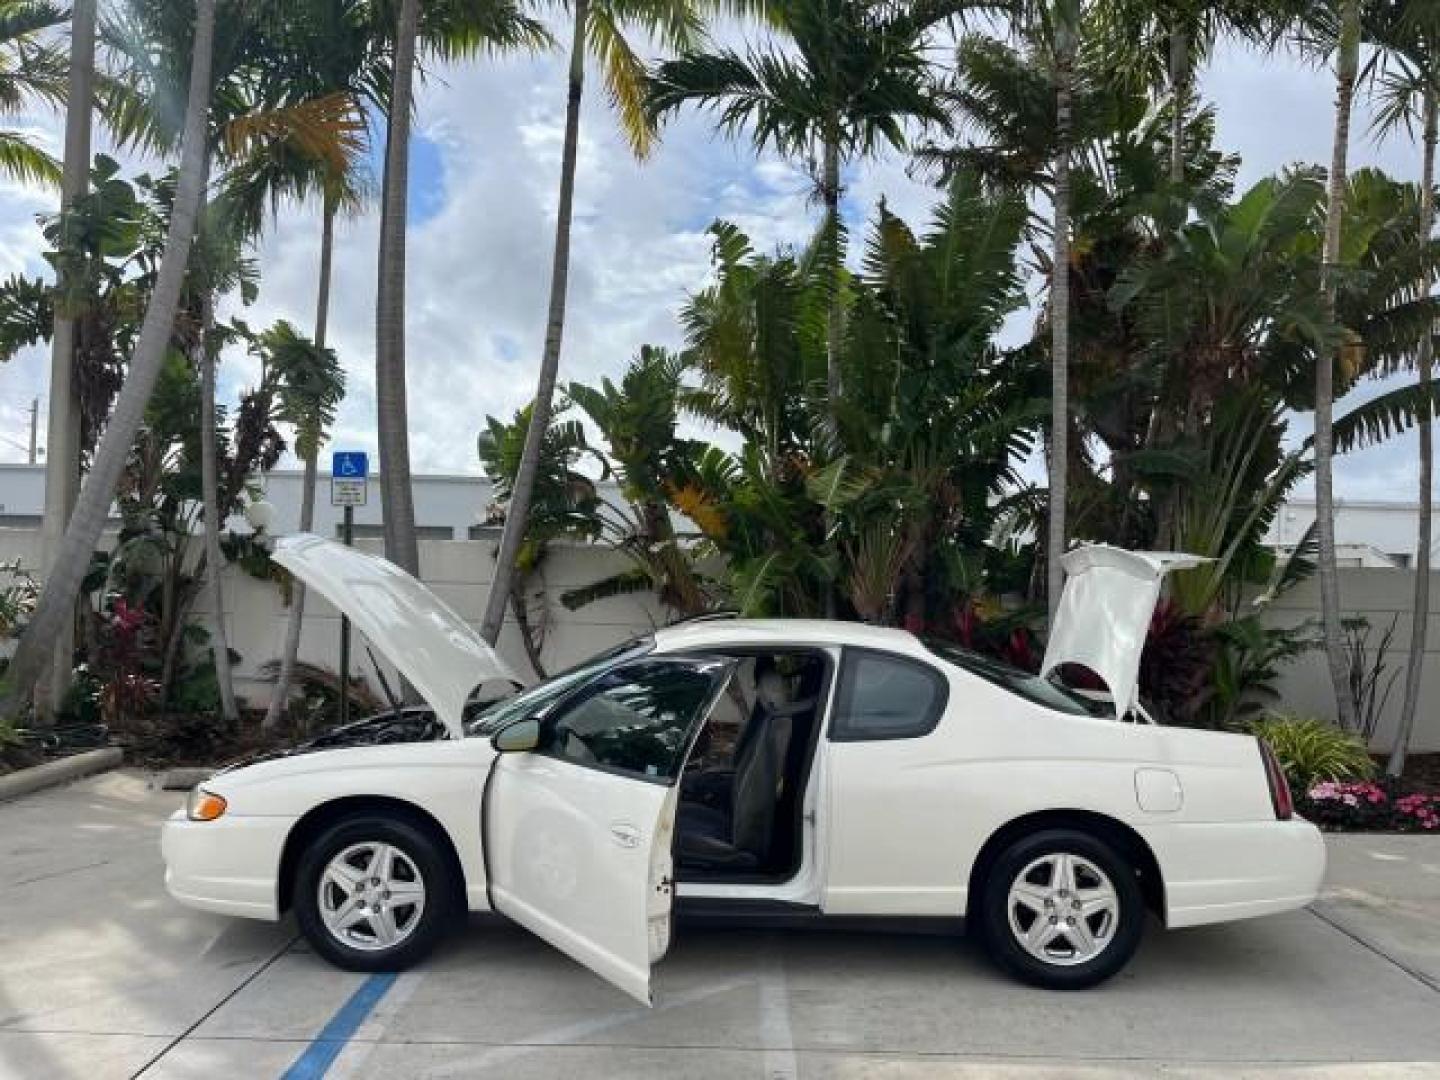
579	829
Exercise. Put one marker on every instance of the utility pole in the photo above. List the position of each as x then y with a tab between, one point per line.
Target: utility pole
34	429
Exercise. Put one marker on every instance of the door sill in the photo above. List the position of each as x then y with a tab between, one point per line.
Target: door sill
713	911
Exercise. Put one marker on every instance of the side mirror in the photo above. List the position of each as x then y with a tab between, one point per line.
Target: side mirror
518	737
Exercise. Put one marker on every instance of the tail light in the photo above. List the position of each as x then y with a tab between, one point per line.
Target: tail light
1280	797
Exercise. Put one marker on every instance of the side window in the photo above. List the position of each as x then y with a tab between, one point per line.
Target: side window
637	719
883	696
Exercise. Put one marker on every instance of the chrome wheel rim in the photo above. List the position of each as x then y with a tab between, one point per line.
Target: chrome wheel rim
371	896
1063	909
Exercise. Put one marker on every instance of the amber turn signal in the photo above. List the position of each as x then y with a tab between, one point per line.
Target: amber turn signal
204	806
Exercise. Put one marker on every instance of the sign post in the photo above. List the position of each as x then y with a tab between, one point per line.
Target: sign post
349	488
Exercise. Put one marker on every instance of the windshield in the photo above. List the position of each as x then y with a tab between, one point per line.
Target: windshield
542	695
1021	683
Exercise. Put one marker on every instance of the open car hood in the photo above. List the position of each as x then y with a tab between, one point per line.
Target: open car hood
1104	614
442	657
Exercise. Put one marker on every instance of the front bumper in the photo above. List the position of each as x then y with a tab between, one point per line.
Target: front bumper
1220	872
230	865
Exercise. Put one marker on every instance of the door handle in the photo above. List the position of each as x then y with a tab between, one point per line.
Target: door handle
625	834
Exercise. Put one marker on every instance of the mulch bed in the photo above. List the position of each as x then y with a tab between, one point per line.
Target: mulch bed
1422	773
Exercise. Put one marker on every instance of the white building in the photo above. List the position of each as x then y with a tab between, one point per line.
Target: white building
1368	532
446	507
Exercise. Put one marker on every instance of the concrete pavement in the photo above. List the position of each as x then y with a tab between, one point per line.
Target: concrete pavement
101	975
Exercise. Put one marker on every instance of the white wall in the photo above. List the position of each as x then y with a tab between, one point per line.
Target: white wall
1379	595
460	572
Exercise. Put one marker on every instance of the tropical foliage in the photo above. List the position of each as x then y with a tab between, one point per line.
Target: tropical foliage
1311	750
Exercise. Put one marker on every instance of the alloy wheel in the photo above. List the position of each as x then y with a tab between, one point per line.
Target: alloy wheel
1063	909
371	896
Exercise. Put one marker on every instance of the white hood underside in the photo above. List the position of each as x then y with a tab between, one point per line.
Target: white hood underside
426	640
1105	611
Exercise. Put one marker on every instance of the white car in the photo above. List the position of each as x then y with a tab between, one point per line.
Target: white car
750	768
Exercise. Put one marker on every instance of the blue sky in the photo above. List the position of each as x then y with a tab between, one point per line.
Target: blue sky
484	168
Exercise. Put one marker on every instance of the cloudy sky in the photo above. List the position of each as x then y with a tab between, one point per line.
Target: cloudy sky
484	171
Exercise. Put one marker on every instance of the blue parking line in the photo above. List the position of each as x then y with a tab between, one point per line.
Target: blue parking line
315	1062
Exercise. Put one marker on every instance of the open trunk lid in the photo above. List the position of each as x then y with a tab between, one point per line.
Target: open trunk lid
1104	614
426	640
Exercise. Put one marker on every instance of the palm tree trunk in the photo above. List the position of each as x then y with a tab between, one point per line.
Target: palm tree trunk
518	515
396	499
62	437
214	517
1346	65
1180	95
293	626
1420	606
57	601
1059	333
834	318
527	632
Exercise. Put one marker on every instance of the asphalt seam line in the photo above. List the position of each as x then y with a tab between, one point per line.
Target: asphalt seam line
1419	976
215	1008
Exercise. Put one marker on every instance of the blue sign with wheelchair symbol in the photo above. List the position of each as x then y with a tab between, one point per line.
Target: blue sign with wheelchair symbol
350	465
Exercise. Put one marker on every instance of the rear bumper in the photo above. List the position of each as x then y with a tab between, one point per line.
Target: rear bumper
1220	872
230	865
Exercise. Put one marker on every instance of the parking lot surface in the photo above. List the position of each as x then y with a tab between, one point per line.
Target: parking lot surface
101	975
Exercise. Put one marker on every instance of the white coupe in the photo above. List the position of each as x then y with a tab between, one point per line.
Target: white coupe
750	768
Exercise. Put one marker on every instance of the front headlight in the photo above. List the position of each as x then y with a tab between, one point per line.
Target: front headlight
204	805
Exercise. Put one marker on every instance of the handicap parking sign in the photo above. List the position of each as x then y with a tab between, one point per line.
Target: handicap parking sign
349	470
350	464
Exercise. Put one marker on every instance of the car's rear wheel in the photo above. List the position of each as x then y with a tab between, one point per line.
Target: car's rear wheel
1062	909
373	893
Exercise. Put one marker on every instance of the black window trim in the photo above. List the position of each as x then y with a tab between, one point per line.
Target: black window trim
935	674
574	698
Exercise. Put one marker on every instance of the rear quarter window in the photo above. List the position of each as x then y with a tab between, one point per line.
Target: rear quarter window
886	696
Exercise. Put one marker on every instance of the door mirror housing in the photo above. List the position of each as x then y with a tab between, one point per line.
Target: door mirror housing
518	737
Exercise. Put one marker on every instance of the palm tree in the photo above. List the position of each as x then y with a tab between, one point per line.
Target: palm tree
448	31
82	533
31	69
1061	23
310	427
600	24
310	136
1167	41
1035	127
850	77
62	459
311	384
1347	61
392	413
1409	95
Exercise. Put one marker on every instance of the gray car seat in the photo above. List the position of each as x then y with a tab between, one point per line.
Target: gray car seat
738	833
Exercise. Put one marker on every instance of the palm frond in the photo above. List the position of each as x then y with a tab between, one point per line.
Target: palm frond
1383	417
22	160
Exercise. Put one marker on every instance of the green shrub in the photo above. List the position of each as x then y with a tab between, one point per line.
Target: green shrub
1312	750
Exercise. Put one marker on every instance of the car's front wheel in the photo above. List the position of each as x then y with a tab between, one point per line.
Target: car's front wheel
373	893
1062	909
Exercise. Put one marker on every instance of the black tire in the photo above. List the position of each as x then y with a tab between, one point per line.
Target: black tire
426	861
1122	928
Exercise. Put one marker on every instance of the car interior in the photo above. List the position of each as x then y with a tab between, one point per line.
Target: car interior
742	791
